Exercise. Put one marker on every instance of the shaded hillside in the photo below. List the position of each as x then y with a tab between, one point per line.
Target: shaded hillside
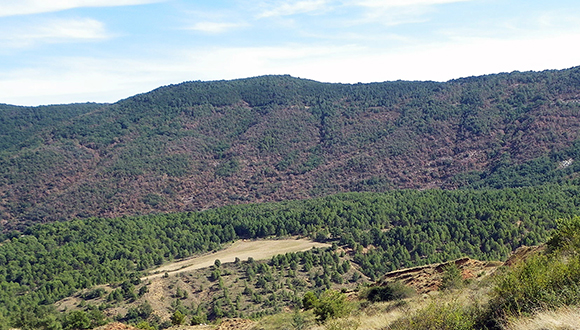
204	144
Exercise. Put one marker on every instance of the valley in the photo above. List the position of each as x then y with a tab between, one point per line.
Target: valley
276	202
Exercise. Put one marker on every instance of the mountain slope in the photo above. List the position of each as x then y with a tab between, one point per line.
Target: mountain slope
19	125
204	144
378	232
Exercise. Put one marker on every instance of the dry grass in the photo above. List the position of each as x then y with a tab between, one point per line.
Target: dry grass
562	319
376	316
259	250
381	315
372	317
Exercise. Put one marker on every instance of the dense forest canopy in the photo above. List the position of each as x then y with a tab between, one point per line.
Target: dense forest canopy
199	144
384	231
19	125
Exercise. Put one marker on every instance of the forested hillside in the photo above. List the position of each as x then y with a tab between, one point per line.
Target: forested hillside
382	231
19	126
198	145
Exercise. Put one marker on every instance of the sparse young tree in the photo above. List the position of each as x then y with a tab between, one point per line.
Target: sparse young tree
178	318
331	304
310	300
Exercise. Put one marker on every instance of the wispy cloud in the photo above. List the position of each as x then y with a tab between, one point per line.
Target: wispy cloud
326	40
51	31
385	12
401	3
393	16
27	7
396	12
215	27
83	79
287	8
107	80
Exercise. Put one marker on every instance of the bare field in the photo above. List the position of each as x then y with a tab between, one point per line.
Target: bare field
259	250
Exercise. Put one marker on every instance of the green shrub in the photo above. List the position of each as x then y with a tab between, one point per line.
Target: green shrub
77	320
332	304
451	277
310	300
540	282
544	281
391	291
145	326
198	319
228	168
567	238
438	316
178	318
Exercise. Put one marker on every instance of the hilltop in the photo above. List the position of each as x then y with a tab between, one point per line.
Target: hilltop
200	145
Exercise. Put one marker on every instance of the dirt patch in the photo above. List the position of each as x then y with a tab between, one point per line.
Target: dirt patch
259	250
425	279
236	324
524	252
116	326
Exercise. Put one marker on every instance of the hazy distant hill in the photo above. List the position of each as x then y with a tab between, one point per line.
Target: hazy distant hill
203	144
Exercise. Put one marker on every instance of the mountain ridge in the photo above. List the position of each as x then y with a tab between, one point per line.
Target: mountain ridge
198	145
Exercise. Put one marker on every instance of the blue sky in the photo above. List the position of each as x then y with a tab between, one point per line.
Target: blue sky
64	51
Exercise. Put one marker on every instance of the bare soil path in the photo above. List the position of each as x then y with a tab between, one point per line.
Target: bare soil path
259	250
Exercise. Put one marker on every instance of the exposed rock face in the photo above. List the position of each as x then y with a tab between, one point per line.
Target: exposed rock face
425	279
523	253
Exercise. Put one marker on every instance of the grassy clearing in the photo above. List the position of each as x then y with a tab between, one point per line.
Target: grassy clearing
240	289
259	250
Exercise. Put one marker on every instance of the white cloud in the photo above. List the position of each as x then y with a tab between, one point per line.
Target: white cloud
82	79
395	12
392	16
27	7
51	31
215	27
401	3
295	7
86	79
68	80
444	61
